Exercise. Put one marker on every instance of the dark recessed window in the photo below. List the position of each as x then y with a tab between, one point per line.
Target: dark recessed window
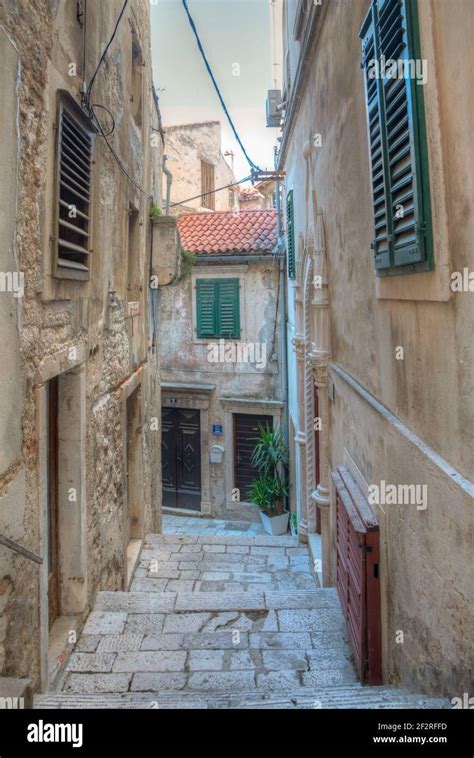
73	194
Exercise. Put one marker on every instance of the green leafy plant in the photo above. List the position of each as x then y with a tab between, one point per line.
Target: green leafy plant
187	262
270	457
270	454
267	493
155	211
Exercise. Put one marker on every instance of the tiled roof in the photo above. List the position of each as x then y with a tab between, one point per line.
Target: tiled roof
229	232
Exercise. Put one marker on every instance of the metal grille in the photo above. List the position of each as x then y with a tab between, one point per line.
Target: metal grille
74	195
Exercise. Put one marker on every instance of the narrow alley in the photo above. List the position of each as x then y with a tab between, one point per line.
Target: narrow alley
237	372
219	616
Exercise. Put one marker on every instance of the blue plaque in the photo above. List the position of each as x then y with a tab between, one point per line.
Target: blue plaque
217	430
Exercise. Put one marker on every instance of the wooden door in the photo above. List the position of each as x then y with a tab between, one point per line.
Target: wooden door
246	434
357	575
52	513
316	458
181	458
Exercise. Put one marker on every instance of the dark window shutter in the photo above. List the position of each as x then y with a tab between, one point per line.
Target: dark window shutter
290	235
377	152
399	163
218	308
73	192
206	307
228	311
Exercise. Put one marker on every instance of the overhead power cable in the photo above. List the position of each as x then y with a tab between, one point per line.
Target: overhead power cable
118	159
211	192
216	87
102	57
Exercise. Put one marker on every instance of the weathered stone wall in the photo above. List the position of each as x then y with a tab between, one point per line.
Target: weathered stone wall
186	146
426	569
185	361
41	40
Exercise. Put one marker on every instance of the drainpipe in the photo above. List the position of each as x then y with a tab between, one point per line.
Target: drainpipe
283	319
169	179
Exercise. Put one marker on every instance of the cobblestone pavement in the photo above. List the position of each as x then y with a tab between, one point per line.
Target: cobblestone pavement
214	612
217	621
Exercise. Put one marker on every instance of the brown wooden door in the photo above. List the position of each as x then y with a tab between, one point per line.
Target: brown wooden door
246	434
316	458
357	575
181	458
53	528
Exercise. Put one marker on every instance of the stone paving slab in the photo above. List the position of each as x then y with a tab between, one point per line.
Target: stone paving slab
94	662
216	601
162	661
98	683
318	598
311	620
105	622
136	602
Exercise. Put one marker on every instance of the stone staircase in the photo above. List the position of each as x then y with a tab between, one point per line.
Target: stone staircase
219	622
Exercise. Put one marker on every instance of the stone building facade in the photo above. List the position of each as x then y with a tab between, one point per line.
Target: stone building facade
197	164
220	356
380	359
79	460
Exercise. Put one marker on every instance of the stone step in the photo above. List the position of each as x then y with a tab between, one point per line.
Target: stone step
169	602
153	540
353	696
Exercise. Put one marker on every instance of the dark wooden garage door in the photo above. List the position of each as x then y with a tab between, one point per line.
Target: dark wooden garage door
357	575
246	435
181	458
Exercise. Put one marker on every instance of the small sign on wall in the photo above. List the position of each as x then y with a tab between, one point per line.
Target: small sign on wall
217	430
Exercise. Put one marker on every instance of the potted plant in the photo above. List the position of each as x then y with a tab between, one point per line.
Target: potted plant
268	492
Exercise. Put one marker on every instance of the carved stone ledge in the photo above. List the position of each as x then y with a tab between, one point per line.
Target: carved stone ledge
318	360
298	343
321	497
300	439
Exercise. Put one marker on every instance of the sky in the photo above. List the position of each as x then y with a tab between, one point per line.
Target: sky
235	35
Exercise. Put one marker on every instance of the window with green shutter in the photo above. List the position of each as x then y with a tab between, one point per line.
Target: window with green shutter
402	241
290	235
218	308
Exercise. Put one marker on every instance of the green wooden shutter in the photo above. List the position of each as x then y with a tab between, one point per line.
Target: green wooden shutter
228	308
397	140
290	235
206	307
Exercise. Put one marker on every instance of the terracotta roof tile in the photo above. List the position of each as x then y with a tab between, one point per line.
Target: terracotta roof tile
228	232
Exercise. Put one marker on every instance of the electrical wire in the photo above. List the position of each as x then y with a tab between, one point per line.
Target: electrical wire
211	192
87	96
216	87
119	160
97	105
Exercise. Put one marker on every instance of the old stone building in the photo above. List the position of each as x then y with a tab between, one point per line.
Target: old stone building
378	203
198	167
260	196
220	346
79	454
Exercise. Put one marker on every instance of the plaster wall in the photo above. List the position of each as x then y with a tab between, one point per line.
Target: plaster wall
186	146
185	361
42	52
427	569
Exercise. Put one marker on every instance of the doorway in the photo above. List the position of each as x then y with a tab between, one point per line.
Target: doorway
134	521
181	458
54	605
246	434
